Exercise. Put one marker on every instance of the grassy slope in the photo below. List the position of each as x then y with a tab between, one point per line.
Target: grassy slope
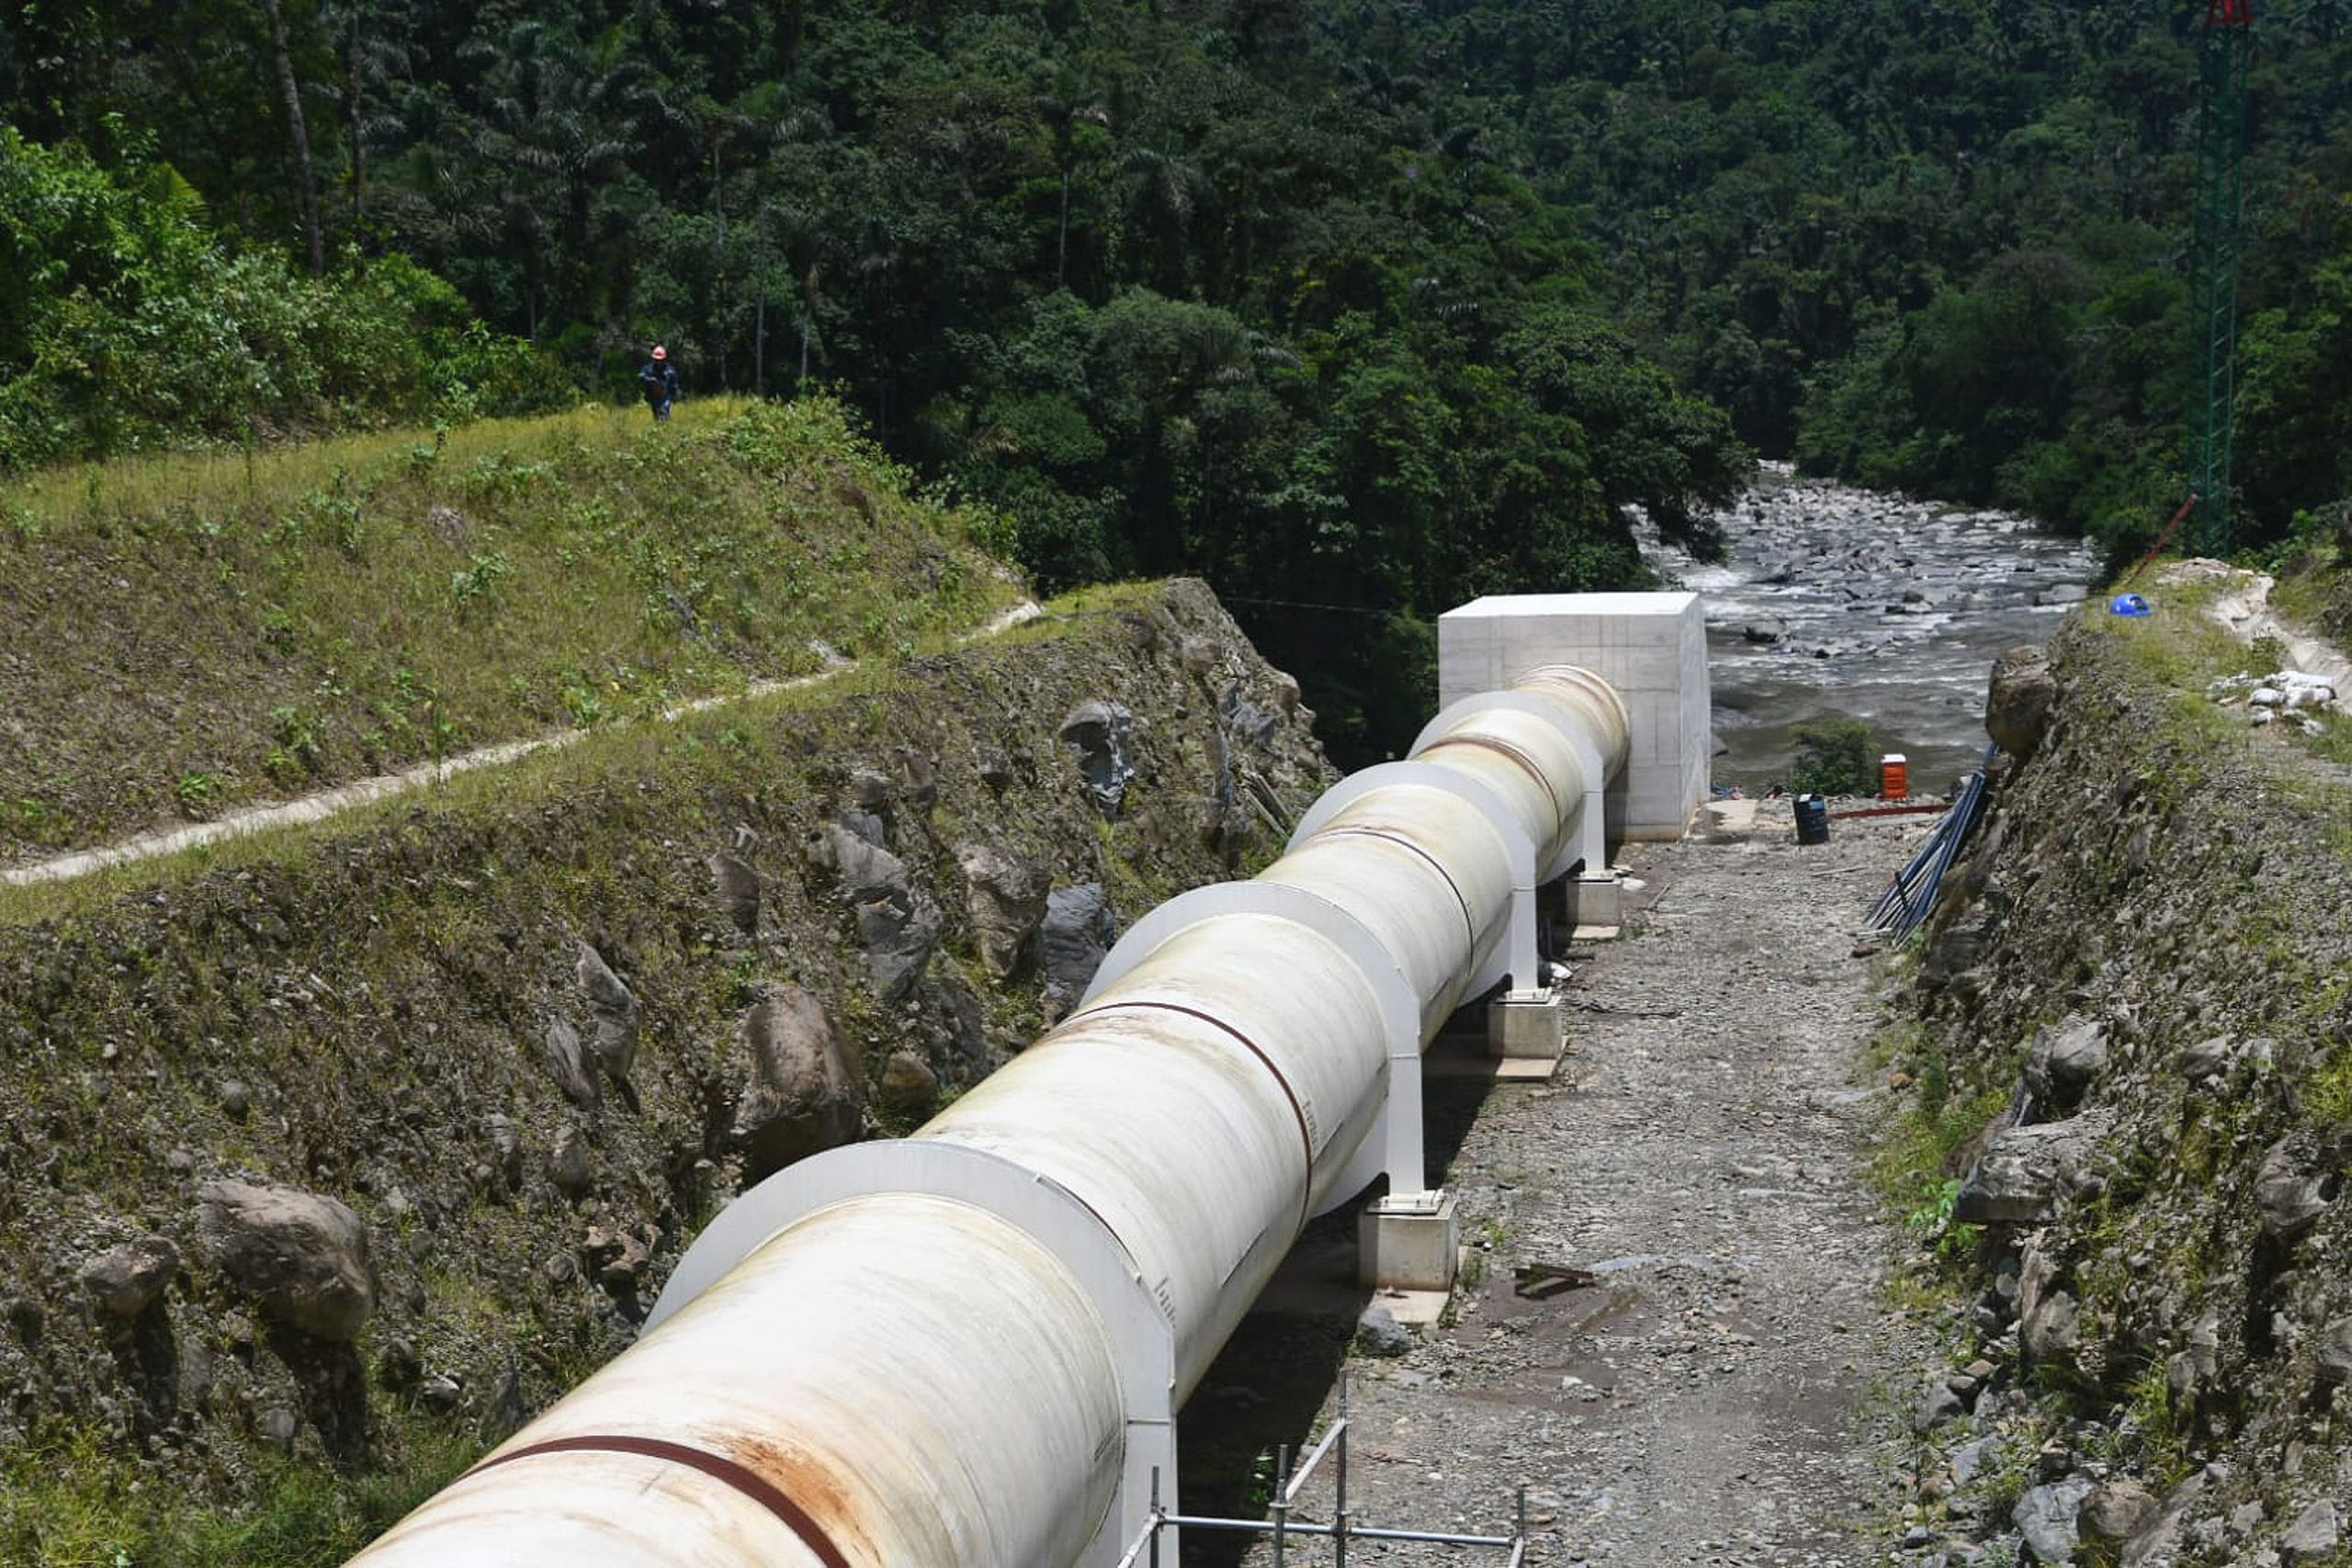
181	635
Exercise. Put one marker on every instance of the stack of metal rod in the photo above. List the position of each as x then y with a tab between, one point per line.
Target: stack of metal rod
1910	899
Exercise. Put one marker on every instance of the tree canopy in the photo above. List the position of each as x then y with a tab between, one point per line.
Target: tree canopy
1357	307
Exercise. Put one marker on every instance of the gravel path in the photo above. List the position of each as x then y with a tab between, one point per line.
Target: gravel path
1711	1385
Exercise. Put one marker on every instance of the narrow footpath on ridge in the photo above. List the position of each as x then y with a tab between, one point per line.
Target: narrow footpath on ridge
320	804
1715	1373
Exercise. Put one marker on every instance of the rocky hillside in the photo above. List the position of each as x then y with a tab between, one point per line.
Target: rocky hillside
326	1158
2149	979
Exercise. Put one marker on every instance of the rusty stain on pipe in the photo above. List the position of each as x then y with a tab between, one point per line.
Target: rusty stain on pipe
726	1472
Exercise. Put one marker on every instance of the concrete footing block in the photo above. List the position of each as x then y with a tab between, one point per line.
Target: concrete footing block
1596	904
1409	1241
1526	1026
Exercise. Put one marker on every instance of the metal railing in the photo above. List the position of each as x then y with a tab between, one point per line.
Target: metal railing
1284	1529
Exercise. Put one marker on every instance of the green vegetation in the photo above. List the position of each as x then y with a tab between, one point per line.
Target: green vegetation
126	325
1833	757
1916	1165
316	614
76	1502
1354	310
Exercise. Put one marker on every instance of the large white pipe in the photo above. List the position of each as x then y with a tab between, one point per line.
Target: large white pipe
932	1354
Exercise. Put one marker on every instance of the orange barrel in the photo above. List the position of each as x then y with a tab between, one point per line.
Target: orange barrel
1894	777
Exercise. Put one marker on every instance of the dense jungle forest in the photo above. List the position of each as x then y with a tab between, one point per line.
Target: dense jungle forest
1355	307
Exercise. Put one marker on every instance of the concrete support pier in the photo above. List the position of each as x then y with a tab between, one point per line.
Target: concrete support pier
1410	1241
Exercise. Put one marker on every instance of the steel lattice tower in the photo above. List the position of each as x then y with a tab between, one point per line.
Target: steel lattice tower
2221	184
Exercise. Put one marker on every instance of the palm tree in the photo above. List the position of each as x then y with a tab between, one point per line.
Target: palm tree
1069	106
297	136
557	121
1167	195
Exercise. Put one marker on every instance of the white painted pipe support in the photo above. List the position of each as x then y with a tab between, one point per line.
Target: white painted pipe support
1395	1148
1374	800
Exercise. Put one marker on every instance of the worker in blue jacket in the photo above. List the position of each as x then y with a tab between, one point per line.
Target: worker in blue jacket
660	380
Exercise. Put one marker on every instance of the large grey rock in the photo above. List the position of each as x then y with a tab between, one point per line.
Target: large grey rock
612	1042
566	1063
897	923
917	777
2045	1516
506	1150
1075	936
2288	1197
908	1087
1005	900
570	1166
2017	707
302	1255
2314	1533
736	886
898	933
2051	1330
2066	1059
2206	1058
2158	1540
2022	1172
1244	719
1100	733
1379	1334
1937	1403
2335	1352
2116	1512
125	1280
805	1090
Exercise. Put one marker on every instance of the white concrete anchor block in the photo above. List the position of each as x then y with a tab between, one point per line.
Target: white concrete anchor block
1651	647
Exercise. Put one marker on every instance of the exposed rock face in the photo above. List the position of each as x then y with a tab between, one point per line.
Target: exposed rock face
1244	719
2016	708
2024	1170
2066	1059
1006	901
1077	934
1100	733
805	1090
303	1257
2116	1512
2045	1516
736	886
566	1063
897	924
2153	950
611	1046
2314	1534
2335	1353
908	1087
416	1029
125	1280
2289	1197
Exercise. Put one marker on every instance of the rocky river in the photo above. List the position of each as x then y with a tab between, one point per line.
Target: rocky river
1837	601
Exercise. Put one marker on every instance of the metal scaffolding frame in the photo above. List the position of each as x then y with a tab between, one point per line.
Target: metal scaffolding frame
1281	1528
